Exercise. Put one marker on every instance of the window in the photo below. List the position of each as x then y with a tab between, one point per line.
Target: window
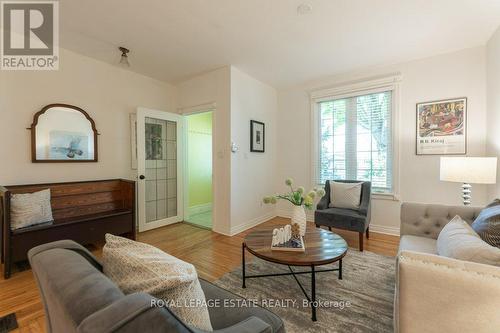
355	139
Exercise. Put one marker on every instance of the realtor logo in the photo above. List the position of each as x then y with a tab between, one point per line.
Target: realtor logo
30	35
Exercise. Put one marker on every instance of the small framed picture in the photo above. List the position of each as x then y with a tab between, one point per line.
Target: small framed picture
442	127
257	136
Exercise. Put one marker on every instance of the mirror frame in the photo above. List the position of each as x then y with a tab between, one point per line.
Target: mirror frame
33	134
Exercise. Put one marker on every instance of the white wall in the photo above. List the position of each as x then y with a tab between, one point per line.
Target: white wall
493	102
252	174
451	75
214	88
108	93
243	178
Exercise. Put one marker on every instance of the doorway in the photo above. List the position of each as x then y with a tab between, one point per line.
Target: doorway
198	169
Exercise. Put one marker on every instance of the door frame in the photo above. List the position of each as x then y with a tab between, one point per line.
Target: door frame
142	113
211	107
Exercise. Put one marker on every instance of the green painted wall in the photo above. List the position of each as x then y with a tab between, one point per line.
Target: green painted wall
199	131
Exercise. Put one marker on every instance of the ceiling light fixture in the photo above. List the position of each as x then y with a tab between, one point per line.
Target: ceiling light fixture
304	9
124	58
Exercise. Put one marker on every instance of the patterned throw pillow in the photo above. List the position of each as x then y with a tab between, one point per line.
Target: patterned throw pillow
487	224
345	195
138	267
29	209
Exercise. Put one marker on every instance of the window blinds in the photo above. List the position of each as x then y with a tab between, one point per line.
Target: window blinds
356	141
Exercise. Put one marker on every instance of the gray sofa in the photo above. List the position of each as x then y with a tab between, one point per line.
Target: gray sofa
436	293
78	297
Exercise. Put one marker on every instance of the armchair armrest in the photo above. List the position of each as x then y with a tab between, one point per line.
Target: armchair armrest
366	198
132	313
68	245
439	294
325	200
323	203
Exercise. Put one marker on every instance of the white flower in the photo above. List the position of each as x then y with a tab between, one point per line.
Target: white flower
320	192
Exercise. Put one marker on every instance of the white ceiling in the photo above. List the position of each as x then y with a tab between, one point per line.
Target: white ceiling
174	39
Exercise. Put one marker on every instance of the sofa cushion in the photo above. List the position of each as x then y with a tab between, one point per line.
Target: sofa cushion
341	218
418	244
459	241
138	267
133	313
345	195
223	317
487	224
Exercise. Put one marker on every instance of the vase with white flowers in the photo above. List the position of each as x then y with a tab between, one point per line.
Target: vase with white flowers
300	200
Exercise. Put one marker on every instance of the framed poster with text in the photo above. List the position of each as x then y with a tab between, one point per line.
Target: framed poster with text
442	127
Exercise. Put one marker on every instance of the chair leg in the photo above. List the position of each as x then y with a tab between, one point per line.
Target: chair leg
361	242
368	233
329	228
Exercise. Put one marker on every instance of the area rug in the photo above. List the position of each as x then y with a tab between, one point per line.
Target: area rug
361	302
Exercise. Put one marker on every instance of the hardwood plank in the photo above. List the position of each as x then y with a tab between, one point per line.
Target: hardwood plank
212	254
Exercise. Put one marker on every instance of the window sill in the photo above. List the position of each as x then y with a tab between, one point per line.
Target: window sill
385	196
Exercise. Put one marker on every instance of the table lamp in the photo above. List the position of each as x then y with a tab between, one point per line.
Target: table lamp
467	170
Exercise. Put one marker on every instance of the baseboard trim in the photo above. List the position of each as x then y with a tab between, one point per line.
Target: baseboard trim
252	223
381	229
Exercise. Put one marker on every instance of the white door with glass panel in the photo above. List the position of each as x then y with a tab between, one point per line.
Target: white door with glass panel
159	168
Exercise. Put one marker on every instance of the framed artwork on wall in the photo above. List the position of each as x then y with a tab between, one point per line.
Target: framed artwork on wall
442	127
257	136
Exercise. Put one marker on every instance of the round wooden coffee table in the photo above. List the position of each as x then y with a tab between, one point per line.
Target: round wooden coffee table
321	248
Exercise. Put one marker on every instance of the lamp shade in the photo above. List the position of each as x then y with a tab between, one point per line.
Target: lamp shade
472	170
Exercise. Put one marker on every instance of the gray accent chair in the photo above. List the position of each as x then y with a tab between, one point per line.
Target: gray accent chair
78	297
437	294
347	219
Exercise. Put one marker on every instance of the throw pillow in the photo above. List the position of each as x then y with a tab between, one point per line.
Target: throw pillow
487	224
138	267
345	195
30	209
459	241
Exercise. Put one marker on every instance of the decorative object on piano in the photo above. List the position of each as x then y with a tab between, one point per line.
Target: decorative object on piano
300	200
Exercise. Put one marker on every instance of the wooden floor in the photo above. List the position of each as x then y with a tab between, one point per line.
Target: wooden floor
211	253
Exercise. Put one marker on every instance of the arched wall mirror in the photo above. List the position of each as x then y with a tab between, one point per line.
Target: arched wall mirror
63	133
